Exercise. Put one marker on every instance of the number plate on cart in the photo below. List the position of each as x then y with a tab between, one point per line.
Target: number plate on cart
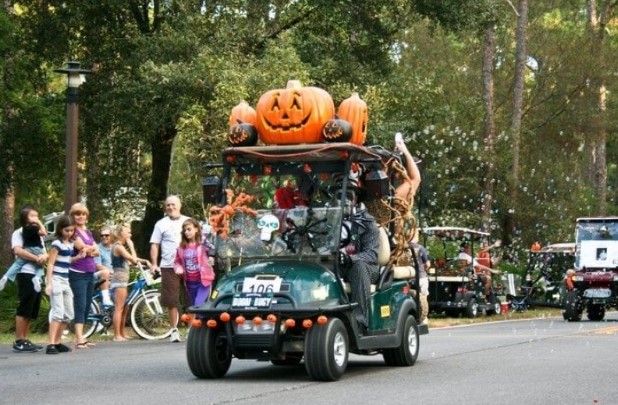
252	300
261	284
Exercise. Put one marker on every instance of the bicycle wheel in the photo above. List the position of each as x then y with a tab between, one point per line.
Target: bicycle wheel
148	318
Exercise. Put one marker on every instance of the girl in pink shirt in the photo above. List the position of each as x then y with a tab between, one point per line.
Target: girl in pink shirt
193	263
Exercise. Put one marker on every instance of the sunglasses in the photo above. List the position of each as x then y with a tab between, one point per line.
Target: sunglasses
105	235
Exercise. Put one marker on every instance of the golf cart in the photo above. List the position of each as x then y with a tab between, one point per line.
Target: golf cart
454	287
280	296
542	282
593	283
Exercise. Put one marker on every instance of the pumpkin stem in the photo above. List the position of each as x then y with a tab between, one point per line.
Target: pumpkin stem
293	84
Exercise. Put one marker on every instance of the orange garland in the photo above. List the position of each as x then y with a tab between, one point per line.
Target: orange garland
219	217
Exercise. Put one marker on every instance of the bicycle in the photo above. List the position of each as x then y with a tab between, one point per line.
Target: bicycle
148	317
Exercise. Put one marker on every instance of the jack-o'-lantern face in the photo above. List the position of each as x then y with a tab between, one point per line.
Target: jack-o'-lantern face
293	115
242	135
354	110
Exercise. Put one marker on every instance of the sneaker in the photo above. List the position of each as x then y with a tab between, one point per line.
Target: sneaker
3	281
62	348
25	346
52	349
175	336
107	302
37	347
36	281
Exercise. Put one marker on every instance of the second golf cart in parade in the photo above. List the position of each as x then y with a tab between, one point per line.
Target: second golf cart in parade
280	296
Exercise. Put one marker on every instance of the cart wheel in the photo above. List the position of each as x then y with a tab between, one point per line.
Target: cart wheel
326	351
472	309
572	311
406	354
208	352
596	312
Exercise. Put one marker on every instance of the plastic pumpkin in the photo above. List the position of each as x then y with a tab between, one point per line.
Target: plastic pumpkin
354	110
337	130
242	134
293	115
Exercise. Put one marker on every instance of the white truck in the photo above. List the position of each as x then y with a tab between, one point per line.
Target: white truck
593	283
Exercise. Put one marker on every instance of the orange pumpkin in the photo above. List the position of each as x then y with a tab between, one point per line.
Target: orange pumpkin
293	115
354	110
242	112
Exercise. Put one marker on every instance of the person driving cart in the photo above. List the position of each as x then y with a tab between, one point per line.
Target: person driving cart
358	258
485	272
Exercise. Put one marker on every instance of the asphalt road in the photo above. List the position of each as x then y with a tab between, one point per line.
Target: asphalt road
540	361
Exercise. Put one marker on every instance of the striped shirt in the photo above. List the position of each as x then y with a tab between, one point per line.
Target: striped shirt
63	260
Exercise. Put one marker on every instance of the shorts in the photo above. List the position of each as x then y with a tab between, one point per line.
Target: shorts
120	278
170	288
29	300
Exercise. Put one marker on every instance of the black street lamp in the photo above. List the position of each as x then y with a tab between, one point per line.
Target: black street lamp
76	78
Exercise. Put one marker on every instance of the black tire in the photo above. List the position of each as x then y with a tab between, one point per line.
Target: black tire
572	311
494	306
208	352
472	309
149	318
596	312
327	351
291	359
406	354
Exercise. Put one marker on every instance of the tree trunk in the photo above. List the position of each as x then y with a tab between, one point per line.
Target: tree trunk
489	125
597	133
157	190
7	227
7	201
518	97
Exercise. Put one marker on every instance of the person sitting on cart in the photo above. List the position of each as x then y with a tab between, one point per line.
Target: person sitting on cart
485	272
359	258
484	256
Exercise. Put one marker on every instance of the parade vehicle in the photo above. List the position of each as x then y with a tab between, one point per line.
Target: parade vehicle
542	284
593	283
454	287
281	297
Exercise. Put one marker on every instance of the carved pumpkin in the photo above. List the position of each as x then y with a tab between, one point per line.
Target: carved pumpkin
242	134
337	130
293	115
354	110
243	112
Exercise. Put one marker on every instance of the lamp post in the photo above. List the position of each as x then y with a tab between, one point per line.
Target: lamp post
75	79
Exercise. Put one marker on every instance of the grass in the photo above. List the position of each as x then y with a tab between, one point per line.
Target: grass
441	321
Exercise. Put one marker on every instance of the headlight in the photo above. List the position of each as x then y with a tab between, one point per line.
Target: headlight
250	327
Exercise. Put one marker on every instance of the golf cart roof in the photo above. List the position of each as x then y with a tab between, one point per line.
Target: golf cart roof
566	247
454	233
597	219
